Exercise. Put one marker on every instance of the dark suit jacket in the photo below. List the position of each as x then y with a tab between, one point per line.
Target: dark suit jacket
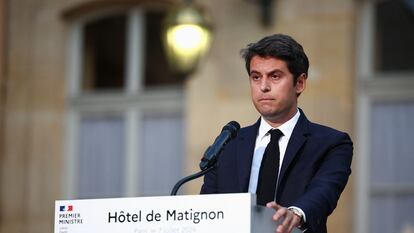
314	172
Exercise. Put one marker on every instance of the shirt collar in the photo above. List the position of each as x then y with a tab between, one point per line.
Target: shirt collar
286	128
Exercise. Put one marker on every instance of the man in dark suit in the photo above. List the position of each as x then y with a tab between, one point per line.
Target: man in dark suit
296	167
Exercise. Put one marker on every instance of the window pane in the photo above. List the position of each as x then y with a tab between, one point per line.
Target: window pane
395	35
157	71
392	155
392	214
162	154
104	54
101	157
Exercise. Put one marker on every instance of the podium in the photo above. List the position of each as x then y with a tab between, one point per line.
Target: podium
168	214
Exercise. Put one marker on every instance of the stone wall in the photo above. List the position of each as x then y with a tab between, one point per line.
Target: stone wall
34	116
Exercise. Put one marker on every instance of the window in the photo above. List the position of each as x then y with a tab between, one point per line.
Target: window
125	119
385	109
394	28
155	55
392	158
101	154
104	54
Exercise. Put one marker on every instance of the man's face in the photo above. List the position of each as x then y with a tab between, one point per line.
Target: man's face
272	89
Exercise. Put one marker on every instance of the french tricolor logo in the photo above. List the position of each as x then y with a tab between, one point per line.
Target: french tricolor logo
66	208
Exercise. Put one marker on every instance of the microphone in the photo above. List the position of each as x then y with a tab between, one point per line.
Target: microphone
228	132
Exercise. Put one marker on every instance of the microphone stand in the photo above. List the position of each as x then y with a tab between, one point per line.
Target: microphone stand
189	178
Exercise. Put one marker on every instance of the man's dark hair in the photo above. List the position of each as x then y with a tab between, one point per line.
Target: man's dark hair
281	47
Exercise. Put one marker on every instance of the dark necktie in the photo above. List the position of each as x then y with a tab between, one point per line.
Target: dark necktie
269	169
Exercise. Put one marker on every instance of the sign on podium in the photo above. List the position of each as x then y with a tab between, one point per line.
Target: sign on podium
168	214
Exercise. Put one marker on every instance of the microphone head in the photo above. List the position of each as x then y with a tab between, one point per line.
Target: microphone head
233	127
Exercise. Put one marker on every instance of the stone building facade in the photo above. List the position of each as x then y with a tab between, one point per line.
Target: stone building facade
49	107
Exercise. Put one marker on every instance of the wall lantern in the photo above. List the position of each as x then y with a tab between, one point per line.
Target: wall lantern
187	36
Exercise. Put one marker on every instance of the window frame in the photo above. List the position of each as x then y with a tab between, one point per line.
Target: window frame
131	102
371	87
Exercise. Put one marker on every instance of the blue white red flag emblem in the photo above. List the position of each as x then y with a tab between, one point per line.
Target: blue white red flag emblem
66	208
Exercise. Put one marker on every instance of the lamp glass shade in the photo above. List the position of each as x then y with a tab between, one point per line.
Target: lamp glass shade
187	38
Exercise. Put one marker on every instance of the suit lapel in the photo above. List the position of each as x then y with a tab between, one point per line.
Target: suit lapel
245	149
244	154
296	141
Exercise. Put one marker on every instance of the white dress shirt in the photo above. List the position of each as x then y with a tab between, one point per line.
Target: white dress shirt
262	139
